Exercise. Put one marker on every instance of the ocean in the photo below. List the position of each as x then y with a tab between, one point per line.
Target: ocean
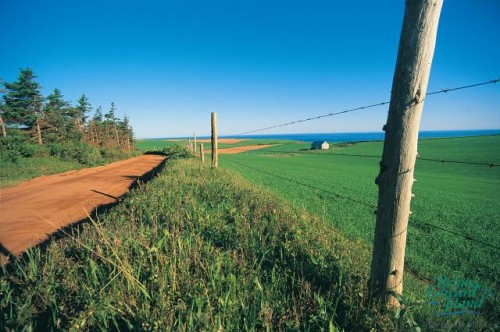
373	136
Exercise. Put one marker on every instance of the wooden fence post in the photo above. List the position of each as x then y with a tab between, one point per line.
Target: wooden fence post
215	152
395	179
202	153
194	146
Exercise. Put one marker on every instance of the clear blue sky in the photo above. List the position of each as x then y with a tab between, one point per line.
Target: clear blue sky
168	64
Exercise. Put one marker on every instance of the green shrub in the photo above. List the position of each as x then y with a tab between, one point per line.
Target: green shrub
87	154
61	150
42	151
79	151
28	150
16	145
10	155
111	154
176	151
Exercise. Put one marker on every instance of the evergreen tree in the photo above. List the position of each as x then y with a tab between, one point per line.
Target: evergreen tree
2	123
56	122
57	118
21	100
111	126
111	116
81	110
37	128
126	133
95	127
2	110
79	114
56	103
98	115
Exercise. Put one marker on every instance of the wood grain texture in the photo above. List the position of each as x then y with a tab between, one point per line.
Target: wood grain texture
395	180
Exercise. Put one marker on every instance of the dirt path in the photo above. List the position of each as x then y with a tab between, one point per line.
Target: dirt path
33	210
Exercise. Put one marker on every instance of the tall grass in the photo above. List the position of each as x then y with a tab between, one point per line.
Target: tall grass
460	198
195	249
201	249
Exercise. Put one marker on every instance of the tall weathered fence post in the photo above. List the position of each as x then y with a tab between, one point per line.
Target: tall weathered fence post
215	152
395	179
202	153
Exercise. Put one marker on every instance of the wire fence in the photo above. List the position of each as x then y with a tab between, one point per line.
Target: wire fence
310	152
355	200
359	202
371	207
360	108
415	222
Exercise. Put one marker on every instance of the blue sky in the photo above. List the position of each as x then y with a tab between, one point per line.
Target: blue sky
168	64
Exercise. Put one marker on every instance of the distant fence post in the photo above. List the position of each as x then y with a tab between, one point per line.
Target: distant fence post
202	153
194	146
395	179
215	152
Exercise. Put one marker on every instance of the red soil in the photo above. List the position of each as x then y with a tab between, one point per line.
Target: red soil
33	210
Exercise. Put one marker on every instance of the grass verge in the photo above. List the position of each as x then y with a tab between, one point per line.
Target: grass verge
196	249
24	169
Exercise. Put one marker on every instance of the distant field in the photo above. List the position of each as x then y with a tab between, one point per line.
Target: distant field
152	144
338	185
198	248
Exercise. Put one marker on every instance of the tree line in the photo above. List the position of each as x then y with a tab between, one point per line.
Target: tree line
51	119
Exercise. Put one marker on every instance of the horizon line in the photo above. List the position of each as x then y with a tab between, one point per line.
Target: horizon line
319	133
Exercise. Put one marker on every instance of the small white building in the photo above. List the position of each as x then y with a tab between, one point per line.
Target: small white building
323	145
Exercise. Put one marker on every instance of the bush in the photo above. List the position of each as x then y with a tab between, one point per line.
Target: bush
28	150
81	152
42	151
111	154
10	155
173	152
16	145
61	150
87	154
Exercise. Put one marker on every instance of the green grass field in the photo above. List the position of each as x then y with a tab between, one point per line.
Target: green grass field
338	186
159	143
195	249
204	249
153	144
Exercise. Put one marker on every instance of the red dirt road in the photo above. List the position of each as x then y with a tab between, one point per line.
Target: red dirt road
33	210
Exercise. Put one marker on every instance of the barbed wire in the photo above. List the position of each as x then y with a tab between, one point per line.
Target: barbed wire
442	161
309	152
494	81
454	233
306	185
467	237
314	118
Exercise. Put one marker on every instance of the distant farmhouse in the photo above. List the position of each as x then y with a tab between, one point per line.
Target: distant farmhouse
323	145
